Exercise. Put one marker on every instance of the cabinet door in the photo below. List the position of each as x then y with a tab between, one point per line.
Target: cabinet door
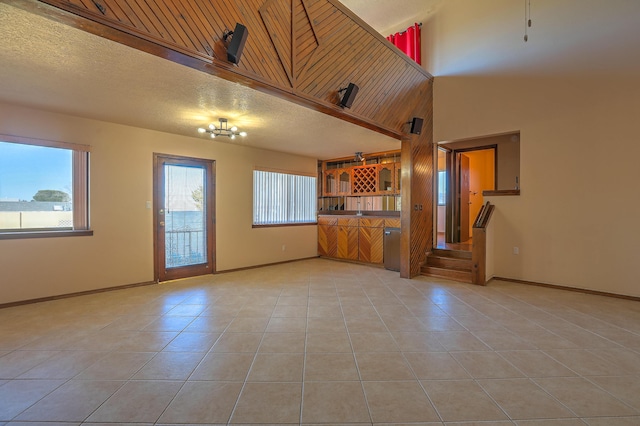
344	182
371	240
385	178
330	184
328	240
348	242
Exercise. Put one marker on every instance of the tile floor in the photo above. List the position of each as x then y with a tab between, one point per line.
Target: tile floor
322	342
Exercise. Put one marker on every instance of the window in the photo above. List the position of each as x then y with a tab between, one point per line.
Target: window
442	188
43	188
283	198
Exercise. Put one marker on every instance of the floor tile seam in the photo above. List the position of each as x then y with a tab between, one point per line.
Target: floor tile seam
57	352
586	331
593	352
547	353
210	351
43	396
304	362
473	333
637	410
246	379
548	312
510	363
408	364
63	352
540	388
596	385
131	376
355	360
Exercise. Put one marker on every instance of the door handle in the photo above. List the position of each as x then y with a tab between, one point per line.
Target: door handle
161	223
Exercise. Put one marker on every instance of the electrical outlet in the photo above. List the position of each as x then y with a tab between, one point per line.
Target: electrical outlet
284	247
516	250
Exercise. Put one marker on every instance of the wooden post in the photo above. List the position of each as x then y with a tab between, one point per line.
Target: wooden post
479	256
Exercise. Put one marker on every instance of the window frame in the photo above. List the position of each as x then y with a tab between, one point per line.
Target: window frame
442	181
313	201
80	196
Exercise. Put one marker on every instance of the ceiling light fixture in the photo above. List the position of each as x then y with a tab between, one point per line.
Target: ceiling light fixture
222	130
359	157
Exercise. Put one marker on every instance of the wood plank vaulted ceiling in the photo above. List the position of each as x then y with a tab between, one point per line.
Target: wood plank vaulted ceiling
56	67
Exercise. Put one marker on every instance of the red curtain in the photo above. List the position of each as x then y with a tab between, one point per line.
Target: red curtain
408	41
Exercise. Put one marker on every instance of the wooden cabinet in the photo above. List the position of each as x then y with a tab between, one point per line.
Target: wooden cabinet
354	238
328	236
371	237
336	182
348	238
376	179
378	176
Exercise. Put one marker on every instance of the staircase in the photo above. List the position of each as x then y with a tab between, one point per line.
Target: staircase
452	264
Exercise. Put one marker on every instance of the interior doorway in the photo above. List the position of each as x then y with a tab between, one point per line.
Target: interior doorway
494	164
183	217
462	177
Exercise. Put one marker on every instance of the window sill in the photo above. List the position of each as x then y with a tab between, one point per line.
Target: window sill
276	225
45	234
500	192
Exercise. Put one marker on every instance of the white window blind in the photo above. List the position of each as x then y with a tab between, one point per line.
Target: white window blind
281	198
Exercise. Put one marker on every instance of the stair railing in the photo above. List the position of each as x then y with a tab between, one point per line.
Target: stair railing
479	246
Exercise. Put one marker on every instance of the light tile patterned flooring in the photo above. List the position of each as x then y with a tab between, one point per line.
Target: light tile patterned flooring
323	342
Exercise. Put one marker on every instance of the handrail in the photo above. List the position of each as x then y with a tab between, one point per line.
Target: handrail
479	246
484	215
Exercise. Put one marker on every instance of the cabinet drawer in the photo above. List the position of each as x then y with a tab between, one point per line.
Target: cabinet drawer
392	223
327	220
347	221
372	222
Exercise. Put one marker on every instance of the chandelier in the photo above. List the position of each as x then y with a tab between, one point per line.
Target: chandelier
222	130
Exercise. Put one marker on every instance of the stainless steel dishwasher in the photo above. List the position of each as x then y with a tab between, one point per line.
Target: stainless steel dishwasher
391	251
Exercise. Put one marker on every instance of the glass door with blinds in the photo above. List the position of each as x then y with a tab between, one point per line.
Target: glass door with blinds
183	217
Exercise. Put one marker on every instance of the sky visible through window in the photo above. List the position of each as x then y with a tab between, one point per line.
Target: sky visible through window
26	169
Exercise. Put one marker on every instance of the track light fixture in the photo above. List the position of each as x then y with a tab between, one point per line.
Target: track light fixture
359	157
350	94
222	130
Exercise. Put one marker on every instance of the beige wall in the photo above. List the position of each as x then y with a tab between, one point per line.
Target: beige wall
576	221
121	250
561	222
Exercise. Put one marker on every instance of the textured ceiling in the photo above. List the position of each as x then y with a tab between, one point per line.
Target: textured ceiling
48	65
390	16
